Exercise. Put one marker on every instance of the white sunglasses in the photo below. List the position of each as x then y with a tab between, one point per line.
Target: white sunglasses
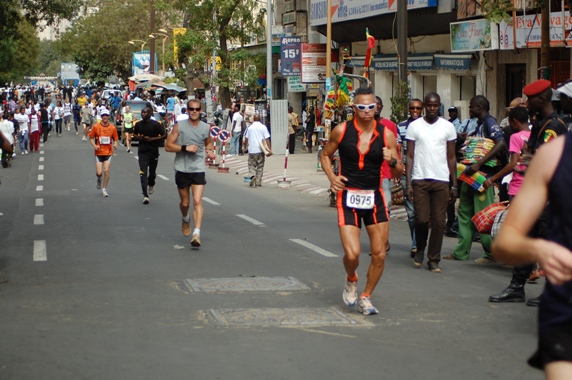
363	107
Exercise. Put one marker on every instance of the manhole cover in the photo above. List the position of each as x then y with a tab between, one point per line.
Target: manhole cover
304	316
246	284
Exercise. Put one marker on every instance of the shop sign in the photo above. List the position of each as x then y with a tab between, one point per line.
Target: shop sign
313	63
295	85
453	62
528	31
385	64
344	10
474	35
420	63
290	55
356	62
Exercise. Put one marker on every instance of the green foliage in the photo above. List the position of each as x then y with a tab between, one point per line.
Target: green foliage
497	10
221	25
19	53
400	102
49	60
98	43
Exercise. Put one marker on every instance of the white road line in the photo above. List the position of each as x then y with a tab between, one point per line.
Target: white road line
41	152
38	219
40	250
208	200
41	159
40	177
39	202
314	248
251	220
163	177
136	157
39	188
41	167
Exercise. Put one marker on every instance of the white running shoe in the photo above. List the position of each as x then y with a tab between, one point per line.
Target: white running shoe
98	185
151	190
104	193
350	293
145	201
365	306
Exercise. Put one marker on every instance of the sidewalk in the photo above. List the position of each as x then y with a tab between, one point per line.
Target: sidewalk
302	169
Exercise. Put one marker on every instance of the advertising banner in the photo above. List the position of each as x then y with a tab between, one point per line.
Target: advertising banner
474	35
290	55
344	10
313	63
528	31
295	85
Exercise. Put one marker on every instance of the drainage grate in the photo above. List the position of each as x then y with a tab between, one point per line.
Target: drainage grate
305	316
246	284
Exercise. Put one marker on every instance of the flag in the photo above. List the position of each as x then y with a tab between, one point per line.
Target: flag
368	55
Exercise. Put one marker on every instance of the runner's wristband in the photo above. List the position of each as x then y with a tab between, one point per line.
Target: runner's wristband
183	148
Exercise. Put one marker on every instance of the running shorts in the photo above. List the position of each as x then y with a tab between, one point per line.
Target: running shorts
353	216
183	180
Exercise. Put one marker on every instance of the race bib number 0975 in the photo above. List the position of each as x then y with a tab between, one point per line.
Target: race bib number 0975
362	199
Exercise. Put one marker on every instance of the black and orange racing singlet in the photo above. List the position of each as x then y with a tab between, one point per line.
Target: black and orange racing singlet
363	171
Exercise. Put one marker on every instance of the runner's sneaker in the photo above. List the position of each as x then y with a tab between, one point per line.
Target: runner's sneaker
98	182
186	228
104	193
196	240
350	293
151	190
145	201
365	306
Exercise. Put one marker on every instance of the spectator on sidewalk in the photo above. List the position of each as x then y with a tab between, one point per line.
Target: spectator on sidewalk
254	137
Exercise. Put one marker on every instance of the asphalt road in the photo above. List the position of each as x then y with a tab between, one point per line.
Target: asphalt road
113	296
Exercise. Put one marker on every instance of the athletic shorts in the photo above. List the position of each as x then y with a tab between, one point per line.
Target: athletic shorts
102	159
553	346
353	216
183	180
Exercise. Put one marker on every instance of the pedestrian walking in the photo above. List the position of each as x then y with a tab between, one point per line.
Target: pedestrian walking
255	135
430	164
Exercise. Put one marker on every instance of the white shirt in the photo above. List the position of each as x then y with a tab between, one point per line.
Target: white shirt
430	156
7	129
22	120
34	126
255	133
238	126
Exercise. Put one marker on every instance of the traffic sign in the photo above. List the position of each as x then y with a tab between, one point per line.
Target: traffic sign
224	136
215	131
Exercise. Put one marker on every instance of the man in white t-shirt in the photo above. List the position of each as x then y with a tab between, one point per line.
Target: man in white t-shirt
253	137
237	119
430	163
23	134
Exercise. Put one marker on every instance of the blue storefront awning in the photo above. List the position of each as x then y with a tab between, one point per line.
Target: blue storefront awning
453	61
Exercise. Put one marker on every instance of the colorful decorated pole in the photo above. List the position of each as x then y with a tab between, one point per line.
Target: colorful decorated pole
214	134
223	136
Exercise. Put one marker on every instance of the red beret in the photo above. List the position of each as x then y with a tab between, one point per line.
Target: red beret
536	87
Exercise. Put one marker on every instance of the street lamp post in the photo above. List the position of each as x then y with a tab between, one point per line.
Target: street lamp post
165	36
132	42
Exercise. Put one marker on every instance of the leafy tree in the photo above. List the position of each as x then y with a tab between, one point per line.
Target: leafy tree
223	26
50	59
400	102
21	54
98	43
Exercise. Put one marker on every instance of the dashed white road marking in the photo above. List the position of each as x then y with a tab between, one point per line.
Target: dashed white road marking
39	188
314	248
41	167
208	200
39	202
41	152
251	220
40	250
41	159
40	177
38	219
163	177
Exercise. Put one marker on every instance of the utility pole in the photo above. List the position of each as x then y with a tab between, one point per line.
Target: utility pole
402	39
269	79
544	69
152	43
